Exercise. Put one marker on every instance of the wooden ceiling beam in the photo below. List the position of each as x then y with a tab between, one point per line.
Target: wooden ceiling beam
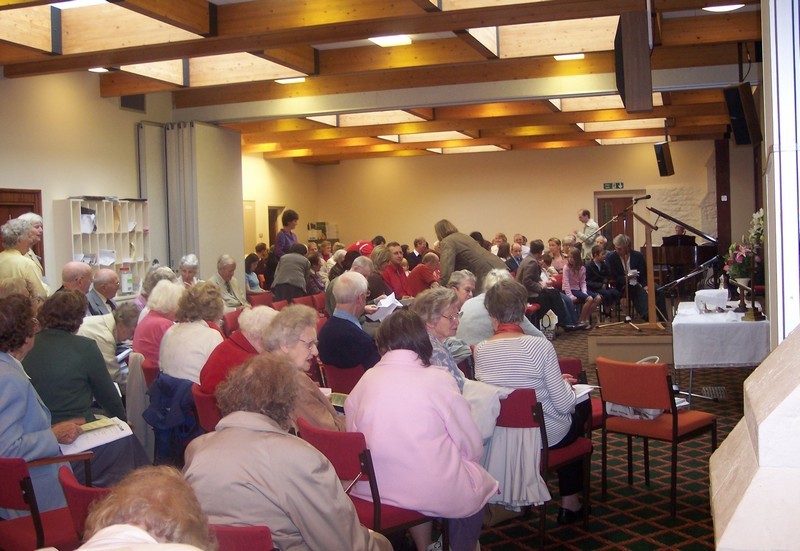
277	125
685	5
299	58
30	27
190	15
329	33
336	159
122	83
602	115
14	4
727	27
14	53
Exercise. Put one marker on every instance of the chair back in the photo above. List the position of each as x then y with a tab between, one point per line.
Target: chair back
321	321
515	410
280	304
341	380
635	385
230	321
341	448
572	366
150	372
13	474
242	538
260	299
79	497
319	303
207	410
305	300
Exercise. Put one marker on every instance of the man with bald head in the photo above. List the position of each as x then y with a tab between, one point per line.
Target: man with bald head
232	294
76	276
105	285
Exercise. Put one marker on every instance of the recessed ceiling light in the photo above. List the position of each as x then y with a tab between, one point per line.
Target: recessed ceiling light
393	40
98	70
723	9
568	57
77	4
295	80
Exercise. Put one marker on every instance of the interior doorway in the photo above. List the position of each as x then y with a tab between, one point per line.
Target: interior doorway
607	208
274	214
14	202
250	233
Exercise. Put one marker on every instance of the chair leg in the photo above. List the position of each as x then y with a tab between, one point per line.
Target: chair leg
604	461
587	495
714	436
630	461
542	525
646	445
445	534
673	509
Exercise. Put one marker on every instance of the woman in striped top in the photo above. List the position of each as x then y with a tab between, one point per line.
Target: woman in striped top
515	360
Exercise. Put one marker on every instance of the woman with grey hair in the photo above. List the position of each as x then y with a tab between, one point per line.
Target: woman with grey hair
335	264
187	268
162	306
150	279
18	236
37	224
463	283
250	471
293	332
476	326
438	308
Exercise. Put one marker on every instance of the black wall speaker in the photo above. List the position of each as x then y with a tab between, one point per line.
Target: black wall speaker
664	159
632	61
742	111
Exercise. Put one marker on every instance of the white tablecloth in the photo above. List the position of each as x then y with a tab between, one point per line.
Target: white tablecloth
717	340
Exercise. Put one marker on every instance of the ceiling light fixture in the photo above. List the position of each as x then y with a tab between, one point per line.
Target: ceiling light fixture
98	70
568	57
77	4
393	40
723	9
294	80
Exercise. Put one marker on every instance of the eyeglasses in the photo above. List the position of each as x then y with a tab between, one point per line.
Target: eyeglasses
309	344
453	317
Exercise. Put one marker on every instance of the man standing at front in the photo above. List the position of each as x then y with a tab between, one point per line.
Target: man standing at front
393	274
587	236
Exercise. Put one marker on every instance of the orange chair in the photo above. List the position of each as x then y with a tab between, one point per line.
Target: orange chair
305	300
52	528
241	538
574	367
208	414
79	497
260	299
521	410
648	386
230	321
280	305
350	457
319	304
150	372
339	379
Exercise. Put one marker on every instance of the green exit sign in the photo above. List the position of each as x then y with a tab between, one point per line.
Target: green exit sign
613	185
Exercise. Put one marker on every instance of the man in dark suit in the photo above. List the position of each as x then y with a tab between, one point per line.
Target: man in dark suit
628	267
342	341
415	257
104	288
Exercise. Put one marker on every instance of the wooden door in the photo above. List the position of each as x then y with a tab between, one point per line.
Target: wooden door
14	202
607	208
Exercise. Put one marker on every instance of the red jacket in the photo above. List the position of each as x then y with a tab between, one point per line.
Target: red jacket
230	353
395	278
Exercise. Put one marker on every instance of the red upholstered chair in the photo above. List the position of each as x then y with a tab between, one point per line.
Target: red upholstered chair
52	528
574	367
305	300
648	386
350	457
79	497
241	538
208	414
319	304
260	299
339	379
321	323
150	372
280	304
521	410
230	321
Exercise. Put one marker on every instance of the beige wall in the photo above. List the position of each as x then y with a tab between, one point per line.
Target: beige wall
58	135
536	192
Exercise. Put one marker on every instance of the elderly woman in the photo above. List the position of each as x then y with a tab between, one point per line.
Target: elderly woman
187	268
271	478
438	308
149	506
25	423
293	333
37	231
463	283
476	325
461	252
244	343
163	306
18	236
187	345
335	264
513	359
292	274
425	446
69	373
150	280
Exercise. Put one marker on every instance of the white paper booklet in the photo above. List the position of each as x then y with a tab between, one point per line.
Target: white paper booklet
385	307
97	433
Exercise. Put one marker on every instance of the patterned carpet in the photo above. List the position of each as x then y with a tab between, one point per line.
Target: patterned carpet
637	517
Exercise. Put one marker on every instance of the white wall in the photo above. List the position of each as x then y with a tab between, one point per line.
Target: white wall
59	136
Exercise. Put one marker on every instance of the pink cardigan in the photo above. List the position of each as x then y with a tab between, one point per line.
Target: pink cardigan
568	284
425	446
149	333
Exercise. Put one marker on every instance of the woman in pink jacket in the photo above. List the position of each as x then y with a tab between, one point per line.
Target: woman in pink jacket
425	446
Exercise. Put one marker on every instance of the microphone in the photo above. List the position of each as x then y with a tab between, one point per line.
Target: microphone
642	198
711	262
